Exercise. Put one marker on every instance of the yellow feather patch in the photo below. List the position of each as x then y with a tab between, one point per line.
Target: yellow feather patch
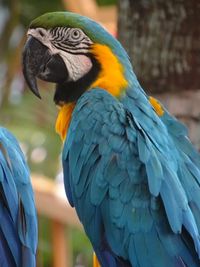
63	119
158	108
111	76
95	261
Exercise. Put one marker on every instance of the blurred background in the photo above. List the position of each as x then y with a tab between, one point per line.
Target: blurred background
163	42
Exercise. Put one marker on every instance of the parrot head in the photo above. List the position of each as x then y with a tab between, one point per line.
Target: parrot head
76	54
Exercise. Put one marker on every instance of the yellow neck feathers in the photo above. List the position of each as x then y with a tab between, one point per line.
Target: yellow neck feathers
111	77
63	119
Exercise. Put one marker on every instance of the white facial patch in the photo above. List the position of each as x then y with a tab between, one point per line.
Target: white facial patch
77	65
77	61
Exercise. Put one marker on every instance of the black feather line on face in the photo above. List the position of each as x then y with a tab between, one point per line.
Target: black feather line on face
70	91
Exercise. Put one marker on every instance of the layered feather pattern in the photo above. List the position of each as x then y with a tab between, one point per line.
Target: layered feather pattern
18	222
133	178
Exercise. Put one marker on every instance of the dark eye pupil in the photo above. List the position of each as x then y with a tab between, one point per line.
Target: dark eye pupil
76	33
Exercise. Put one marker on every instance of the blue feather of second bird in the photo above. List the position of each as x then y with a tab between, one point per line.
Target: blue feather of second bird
18	220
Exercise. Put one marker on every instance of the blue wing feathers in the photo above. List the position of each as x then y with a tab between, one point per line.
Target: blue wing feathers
99	187
134	185
6	259
83	183
18	221
8	230
67	184
143	149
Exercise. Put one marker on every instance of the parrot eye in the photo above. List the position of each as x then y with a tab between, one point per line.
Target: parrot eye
76	35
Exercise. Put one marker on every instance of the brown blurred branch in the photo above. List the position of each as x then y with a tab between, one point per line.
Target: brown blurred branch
105	15
11	23
14	65
85	7
10	54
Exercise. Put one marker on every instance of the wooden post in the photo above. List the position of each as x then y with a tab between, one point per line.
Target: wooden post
50	204
61	247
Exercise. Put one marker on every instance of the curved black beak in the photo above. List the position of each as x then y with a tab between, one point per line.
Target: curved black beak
38	62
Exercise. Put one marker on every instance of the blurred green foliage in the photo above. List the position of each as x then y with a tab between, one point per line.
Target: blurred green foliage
106	2
29	9
32	121
81	246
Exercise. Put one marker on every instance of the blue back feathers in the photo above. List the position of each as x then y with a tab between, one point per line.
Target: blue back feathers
133	178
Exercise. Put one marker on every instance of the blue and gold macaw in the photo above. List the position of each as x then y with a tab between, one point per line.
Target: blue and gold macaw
18	221
130	170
